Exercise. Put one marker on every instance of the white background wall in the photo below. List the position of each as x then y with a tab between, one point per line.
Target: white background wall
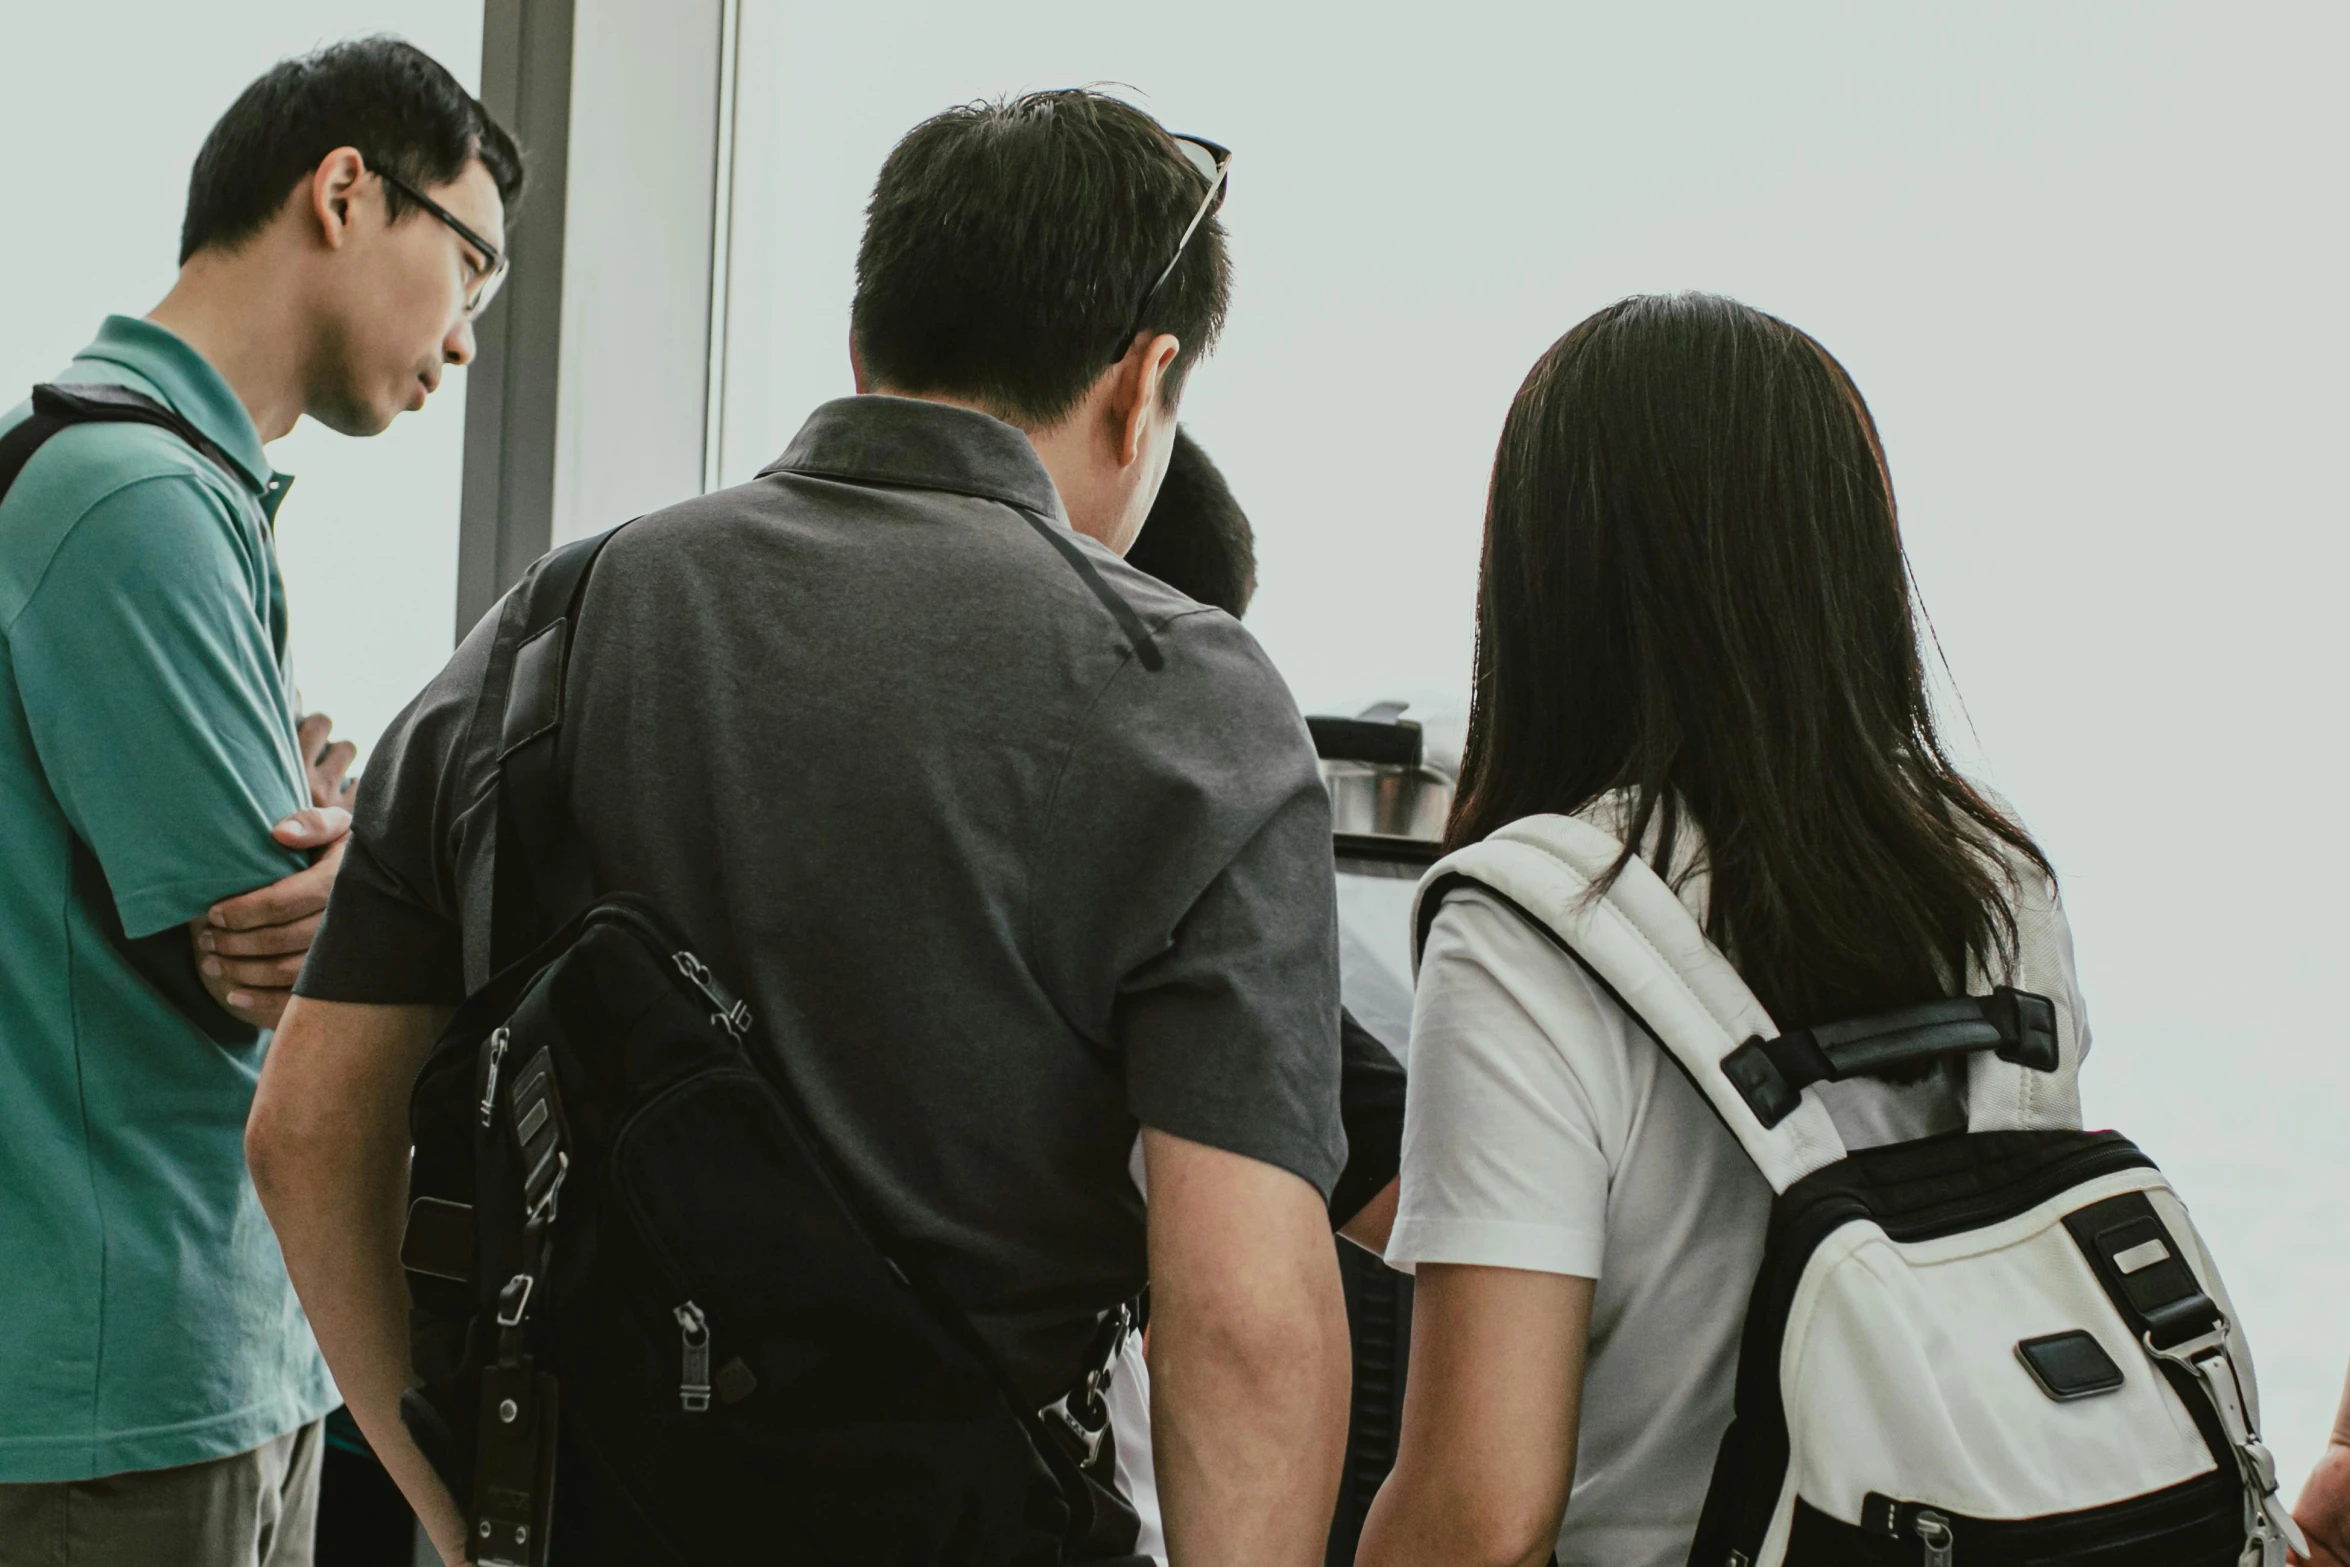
102	108
636	260
2084	259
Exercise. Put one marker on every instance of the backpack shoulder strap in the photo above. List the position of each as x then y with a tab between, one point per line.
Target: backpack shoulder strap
1646	950
59	407
2003	1092
539	874
1641	943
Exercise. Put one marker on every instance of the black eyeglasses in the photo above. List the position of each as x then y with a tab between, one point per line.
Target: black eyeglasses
493	272
1214	164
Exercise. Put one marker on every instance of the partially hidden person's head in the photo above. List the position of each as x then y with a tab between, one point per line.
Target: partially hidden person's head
1694	592
375	190
1197	540
1016	259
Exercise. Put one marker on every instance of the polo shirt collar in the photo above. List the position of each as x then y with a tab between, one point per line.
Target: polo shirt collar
192	389
906	442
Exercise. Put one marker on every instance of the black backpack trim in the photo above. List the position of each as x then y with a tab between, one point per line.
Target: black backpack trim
1914	1191
166	960
2192	1524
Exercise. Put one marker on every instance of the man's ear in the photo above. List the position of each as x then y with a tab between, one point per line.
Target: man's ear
1140	376
332	187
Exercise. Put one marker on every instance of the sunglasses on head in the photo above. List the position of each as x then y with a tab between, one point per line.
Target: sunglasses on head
1214	164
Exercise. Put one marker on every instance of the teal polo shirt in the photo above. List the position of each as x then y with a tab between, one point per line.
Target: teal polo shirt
145	1316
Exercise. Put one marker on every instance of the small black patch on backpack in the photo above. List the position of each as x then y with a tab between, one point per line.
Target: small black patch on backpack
2069	1365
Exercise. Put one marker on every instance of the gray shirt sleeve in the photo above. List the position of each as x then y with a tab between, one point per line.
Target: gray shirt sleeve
395	924
1183	901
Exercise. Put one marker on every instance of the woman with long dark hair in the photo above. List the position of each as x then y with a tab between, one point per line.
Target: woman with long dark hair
1696	631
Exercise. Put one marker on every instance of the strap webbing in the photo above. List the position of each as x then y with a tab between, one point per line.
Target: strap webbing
60	407
539	868
2138	1262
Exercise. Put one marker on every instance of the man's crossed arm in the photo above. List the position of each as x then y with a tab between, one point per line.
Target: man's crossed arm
250	948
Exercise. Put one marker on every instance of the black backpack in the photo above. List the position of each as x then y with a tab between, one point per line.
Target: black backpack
652	1322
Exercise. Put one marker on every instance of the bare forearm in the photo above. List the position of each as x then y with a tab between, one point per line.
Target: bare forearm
1248	1357
1248	1439
329	1158
360	1316
1487	1450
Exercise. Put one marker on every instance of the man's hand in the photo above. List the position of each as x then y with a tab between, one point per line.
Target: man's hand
329	765
249	949
328	1146
2324	1509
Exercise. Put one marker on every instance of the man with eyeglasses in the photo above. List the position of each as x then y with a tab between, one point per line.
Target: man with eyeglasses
171	831
1013	850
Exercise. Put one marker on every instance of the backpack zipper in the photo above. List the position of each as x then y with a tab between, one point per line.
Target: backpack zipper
693	1387
732	1015
1933	1532
493	1058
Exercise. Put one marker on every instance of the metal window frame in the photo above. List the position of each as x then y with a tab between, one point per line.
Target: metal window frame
514	415
508	494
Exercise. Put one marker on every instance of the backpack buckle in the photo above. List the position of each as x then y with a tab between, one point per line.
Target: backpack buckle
514	1300
1082	1412
1089	1438
2267	1520
544	1209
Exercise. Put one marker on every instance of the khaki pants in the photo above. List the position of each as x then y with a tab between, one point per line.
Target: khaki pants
256	1509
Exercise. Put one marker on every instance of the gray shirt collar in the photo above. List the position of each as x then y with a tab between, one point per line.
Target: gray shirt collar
907	443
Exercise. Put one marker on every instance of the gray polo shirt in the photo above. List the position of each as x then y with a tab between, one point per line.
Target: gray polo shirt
1018	863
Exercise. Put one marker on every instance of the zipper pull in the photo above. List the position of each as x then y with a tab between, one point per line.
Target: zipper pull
493	1056
693	1390
732	1015
1933	1531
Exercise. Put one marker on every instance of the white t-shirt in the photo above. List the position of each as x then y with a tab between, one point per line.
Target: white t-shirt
1543	1130
1129	1399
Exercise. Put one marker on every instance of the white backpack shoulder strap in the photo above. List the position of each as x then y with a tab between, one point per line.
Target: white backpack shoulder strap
1643	945
2002	1095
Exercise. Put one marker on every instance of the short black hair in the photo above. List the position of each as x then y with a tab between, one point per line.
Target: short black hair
1008	246
1197	539
382	95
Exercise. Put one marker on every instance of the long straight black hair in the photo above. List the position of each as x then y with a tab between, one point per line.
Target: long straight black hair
1694	593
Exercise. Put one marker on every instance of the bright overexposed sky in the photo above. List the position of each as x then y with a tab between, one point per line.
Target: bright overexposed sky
2084	259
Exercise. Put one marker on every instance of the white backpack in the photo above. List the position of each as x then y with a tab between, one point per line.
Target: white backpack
2003	1345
